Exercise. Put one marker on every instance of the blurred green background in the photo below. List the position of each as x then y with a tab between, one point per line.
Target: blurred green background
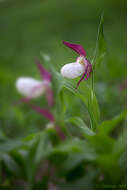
28	27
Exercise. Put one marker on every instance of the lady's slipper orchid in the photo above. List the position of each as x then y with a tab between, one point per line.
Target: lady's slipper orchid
31	88
81	67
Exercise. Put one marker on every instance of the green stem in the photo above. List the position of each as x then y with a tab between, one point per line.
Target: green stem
93	81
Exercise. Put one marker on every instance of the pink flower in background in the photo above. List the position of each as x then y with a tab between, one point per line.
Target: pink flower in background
31	88
81	67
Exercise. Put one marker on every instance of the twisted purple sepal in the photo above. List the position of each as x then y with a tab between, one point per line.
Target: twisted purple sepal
44	73
60	133
43	112
76	47
89	70
86	74
49	96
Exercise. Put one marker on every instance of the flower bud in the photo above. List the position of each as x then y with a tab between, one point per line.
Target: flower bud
30	87
72	70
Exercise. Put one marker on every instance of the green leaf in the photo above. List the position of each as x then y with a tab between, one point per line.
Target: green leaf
62	101
11	164
123	163
30	137
2	136
20	156
121	144
102	143
74	145
86	182
43	147
74	159
86	94
109	165
100	49
9	145
81	125
107	126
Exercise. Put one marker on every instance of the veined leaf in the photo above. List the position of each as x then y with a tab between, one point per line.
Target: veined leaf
102	143
79	149
81	125
43	147
107	126
88	97
74	159
74	145
11	164
100	49
10	145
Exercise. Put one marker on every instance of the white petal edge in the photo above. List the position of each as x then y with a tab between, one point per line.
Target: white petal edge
72	70
30	87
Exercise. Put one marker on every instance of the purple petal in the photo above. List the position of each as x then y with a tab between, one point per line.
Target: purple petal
87	76
89	70
76	47
87	73
43	112
60	132
84	74
49	96
44	73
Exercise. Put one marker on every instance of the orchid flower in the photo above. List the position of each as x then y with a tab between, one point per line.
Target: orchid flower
81	67
31	88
